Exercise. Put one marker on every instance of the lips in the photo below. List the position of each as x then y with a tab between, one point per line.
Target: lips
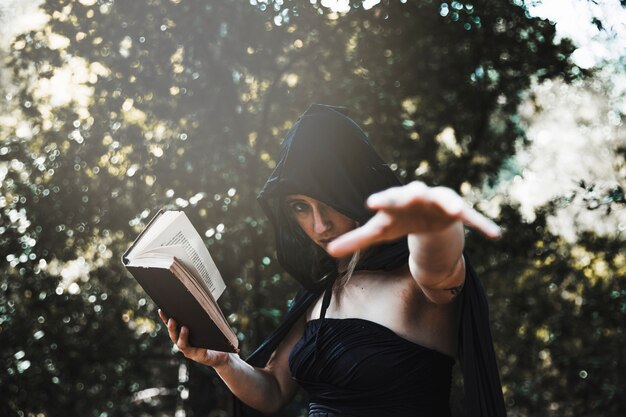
327	241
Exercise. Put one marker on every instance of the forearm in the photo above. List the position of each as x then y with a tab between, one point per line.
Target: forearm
256	387
436	258
265	389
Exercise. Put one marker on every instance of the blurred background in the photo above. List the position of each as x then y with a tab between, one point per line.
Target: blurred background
111	109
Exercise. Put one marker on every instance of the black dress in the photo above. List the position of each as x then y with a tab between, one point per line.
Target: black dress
356	367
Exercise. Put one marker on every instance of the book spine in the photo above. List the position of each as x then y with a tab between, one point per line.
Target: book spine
125	260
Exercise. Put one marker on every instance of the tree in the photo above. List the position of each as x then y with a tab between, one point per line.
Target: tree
182	104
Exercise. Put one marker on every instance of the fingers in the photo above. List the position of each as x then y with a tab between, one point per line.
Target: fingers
477	221
398	197
180	339
371	232
172	331
195	354
419	196
162	316
183	342
452	203
170	324
348	243
204	356
416	194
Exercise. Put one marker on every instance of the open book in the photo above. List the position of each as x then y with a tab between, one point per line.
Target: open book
171	263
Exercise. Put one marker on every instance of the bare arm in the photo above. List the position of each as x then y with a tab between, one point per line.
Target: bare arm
436	262
432	219
266	389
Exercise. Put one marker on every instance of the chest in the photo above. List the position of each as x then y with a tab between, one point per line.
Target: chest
397	303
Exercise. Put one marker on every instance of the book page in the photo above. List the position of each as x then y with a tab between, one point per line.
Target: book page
164	254
209	304
155	226
190	251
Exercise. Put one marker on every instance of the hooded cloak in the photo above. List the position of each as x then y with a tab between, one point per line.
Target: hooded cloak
328	157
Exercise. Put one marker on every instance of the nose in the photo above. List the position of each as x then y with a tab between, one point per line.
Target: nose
321	220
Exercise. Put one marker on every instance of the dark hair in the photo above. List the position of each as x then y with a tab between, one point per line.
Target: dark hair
323	266
319	263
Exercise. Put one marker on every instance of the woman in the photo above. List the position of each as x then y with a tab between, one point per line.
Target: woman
376	330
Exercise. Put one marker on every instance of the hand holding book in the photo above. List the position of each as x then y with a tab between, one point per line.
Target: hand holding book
213	358
171	263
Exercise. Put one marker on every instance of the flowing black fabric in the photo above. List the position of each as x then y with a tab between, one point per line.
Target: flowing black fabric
481	379
328	157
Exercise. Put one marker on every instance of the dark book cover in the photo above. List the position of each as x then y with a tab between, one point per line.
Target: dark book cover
172	296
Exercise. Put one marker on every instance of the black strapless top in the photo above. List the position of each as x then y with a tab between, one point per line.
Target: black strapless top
359	368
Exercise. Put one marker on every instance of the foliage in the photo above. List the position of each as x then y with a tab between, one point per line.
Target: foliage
183	104
557	310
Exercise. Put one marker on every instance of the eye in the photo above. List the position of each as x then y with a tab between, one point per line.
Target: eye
298	207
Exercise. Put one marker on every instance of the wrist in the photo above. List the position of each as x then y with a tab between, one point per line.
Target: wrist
436	240
224	363
434	256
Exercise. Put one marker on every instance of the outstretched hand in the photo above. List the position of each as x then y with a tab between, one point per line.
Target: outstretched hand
414	208
208	357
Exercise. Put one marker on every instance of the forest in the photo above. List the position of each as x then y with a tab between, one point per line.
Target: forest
112	109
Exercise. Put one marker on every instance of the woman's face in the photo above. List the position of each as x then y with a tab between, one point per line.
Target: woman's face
319	221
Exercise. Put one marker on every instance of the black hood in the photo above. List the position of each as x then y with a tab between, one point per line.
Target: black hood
328	157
